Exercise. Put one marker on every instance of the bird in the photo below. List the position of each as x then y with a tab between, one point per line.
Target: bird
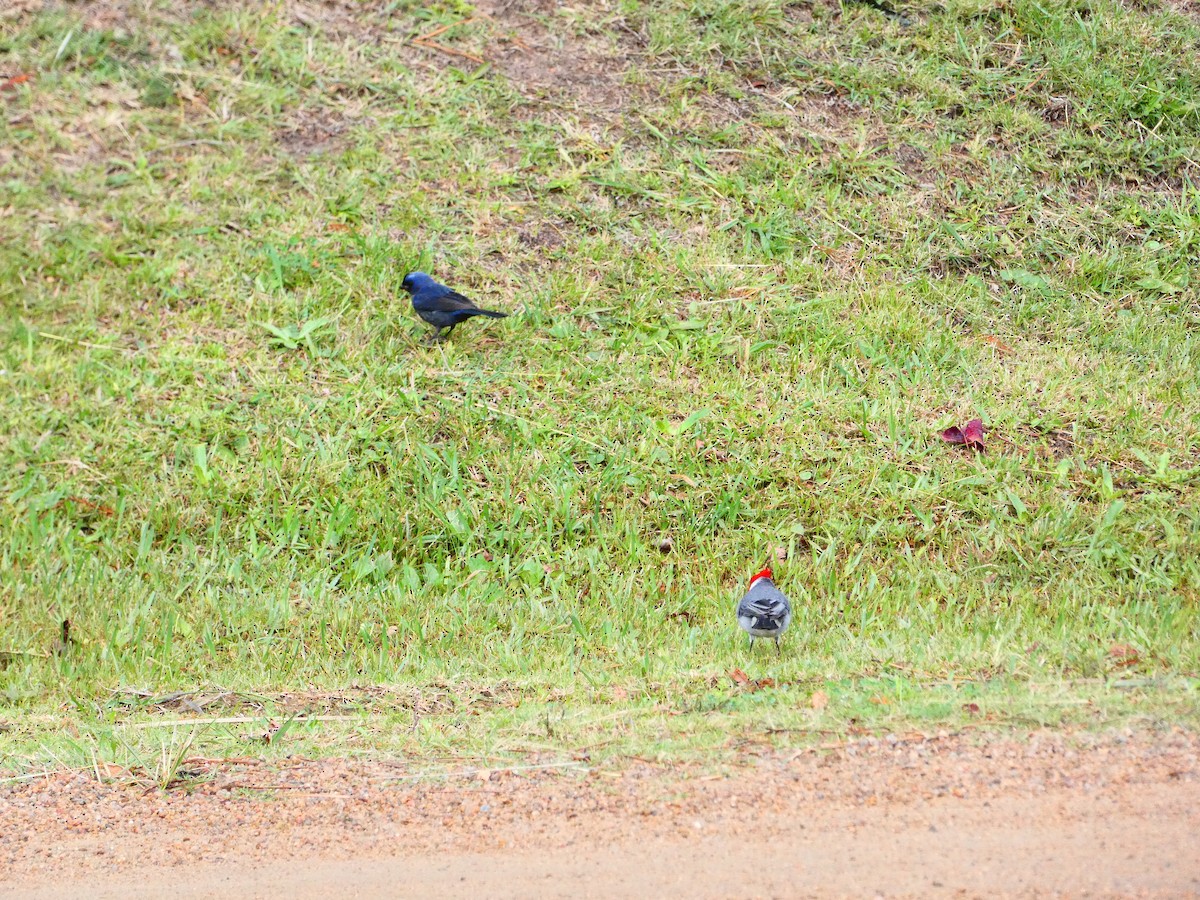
440	306
764	611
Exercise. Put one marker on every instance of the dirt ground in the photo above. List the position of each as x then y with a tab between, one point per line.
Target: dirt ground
967	815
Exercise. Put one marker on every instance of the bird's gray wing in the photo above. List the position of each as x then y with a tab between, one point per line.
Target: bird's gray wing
763	606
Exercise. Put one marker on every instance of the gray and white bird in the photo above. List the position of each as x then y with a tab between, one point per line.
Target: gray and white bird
764	612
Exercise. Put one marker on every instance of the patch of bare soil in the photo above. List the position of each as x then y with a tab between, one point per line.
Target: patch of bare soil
315	131
579	69
1183	7
962	816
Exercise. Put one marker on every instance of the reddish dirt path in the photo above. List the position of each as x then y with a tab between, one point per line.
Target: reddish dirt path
1066	815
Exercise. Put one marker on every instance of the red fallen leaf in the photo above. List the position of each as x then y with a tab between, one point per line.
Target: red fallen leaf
972	708
741	679
819	700
10	83
1123	655
86	505
997	343
970	434
337	226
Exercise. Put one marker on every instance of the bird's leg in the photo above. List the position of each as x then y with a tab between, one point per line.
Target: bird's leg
778	652
751	642
437	332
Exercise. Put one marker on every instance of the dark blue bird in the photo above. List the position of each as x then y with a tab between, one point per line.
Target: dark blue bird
440	306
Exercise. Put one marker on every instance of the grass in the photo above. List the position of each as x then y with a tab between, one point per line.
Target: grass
757	256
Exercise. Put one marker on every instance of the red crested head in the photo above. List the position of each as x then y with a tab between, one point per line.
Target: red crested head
765	573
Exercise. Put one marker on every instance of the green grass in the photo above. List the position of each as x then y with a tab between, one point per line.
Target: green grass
756	255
